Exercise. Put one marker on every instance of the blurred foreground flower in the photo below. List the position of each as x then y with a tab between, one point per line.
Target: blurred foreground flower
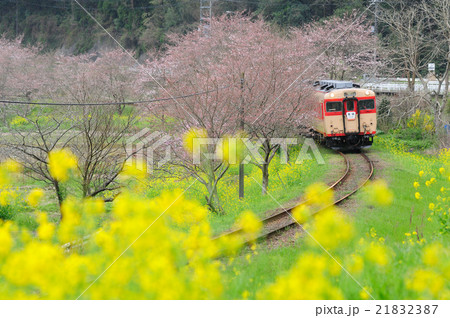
60	163
379	193
189	138
34	197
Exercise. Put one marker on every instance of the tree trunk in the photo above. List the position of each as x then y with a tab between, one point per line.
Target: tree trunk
59	195
265	177
212	200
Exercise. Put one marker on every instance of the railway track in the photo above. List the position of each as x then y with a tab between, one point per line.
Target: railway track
359	169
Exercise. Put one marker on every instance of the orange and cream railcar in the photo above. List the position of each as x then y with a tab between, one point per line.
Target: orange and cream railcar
345	115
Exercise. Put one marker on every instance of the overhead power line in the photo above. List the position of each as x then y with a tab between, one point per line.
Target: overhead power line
110	103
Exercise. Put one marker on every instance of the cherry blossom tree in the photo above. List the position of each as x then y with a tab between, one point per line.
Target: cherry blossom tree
22	72
245	69
344	46
96	134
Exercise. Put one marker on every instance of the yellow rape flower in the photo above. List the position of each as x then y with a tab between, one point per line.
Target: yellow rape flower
60	162
189	138
417	195
6	240
416	185
319	195
301	213
431	254
34	197
331	229
426	281
442	170
355	264
231	149
377	254
6	169
364	293
45	230
431	206
421	173
249	223
379	193
94	205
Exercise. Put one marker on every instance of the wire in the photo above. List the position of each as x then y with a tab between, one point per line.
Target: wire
111	103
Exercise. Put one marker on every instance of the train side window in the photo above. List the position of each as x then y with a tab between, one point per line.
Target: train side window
366	104
334	106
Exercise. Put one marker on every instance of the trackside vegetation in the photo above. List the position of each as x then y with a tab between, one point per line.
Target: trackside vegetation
405	225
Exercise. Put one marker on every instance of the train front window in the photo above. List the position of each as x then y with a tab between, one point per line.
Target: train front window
334	106
350	106
366	104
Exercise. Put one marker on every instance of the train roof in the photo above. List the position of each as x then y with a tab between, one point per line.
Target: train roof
329	85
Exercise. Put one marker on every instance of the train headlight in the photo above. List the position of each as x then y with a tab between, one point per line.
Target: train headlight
367	92
332	94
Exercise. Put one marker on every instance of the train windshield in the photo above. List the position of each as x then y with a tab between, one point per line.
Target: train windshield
350	106
366	104
334	106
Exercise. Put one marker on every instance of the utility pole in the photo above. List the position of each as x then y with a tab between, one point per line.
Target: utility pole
375	27
205	16
241	127
17	18
375	30
72	4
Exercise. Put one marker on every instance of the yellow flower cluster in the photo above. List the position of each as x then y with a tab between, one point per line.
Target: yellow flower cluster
159	248
317	194
7	169
379	193
161	262
18	121
431	281
250	224
310	278
420	120
436	194
232	149
189	138
7	196
331	229
60	163
34	197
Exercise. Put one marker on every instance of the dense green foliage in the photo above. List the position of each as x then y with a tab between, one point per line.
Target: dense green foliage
141	24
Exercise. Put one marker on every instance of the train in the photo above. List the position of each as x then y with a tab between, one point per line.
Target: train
344	115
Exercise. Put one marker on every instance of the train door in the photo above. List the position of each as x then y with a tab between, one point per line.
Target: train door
351	116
